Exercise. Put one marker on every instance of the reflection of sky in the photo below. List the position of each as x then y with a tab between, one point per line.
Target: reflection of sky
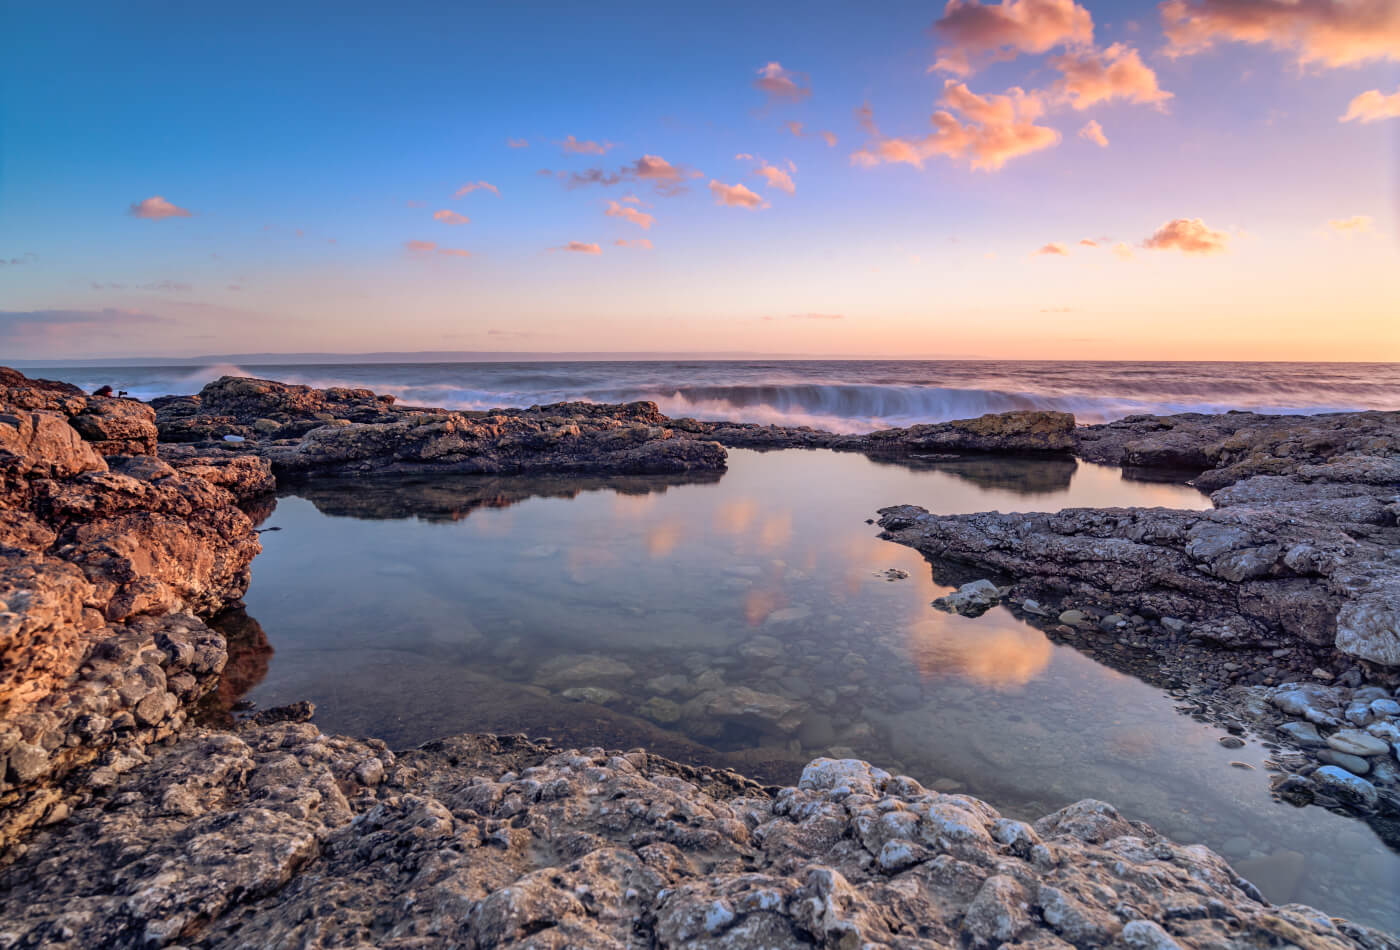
410	630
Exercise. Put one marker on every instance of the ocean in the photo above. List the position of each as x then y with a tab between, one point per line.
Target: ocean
839	395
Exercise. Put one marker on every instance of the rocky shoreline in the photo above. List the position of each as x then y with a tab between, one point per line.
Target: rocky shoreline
121	534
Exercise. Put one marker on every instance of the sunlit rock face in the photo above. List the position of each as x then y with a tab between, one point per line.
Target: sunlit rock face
305	839
108	556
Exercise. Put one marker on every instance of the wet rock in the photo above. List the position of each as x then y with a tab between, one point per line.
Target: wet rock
1352	789
970	600
1353	742
1303	734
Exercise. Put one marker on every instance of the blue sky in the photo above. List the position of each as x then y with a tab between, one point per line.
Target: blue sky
310	147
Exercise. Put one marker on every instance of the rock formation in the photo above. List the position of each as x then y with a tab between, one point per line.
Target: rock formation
277	835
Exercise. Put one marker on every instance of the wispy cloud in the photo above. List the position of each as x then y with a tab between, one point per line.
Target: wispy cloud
579	247
667	179
971	31
1189	235
471	186
736	196
44	333
1372	106
517	143
429	248
1093	132
28	257
800	130
574	147
643	243
1356	224
779	83
637	217
450	217
1053	249
1326	32
156	208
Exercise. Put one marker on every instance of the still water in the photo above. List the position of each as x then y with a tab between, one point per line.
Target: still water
749	620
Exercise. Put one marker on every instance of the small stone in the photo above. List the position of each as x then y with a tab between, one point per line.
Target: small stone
1231	742
1355	742
1352	763
1321	674
1146	935
1385	708
1173	624
27	763
1343	785
592	694
1072	617
1303	734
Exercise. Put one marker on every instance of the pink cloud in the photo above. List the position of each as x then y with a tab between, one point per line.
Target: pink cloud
973	30
1093	132
156	208
643	243
1188	235
454	252
779	83
736	196
450	217
1088	242
579	247
517	143
471	186
1330	32
574	146
1095	76
668	179
776	178
1053	249
1002	127
800	130
1122	251
639	218
1372	106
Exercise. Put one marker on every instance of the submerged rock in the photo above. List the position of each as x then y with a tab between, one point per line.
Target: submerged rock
970	600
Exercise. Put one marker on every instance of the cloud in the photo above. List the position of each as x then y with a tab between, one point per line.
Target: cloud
972	30
575	147
28	257
1189	235
156	208
1088	242
1094	133
735	196
1356	224
1053	249
450	217
1002	127
517	143
166	286
639	218
1094	76
579	247
1372	106
1328	32
632	199
1122	251
777	178
668	179
426	248
45	333
779	83
471	186
643	243
799	130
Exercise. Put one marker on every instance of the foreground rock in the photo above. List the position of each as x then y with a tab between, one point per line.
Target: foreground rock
303	432
281	836
108	558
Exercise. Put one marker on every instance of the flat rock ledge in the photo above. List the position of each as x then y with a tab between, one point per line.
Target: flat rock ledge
304	432
277	835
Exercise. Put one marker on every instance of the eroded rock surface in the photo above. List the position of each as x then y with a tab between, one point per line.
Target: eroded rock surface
108	557
280	836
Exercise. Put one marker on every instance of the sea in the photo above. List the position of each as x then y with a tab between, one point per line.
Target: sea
838	395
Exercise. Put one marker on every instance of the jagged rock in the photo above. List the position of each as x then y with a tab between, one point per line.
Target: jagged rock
117	426
281	836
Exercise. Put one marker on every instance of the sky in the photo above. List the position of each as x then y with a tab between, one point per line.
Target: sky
1027	179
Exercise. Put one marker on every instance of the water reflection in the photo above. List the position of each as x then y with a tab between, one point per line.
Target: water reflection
748	621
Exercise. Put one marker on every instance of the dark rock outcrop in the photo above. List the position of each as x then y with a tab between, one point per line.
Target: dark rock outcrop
280	836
